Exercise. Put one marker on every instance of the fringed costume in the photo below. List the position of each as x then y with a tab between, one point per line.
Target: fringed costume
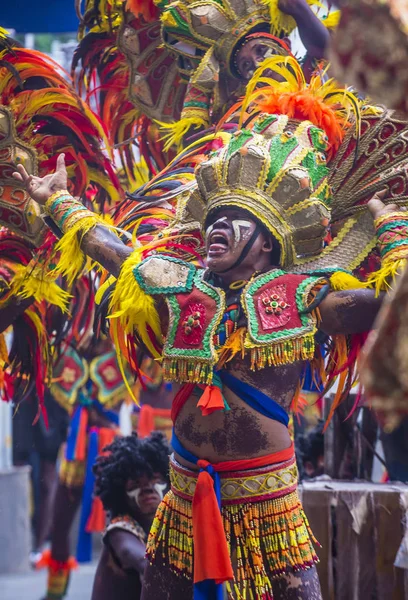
262	526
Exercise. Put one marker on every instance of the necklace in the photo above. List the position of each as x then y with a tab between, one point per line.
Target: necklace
237	285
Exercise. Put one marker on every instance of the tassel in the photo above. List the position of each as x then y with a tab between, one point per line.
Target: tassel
97	519
211	400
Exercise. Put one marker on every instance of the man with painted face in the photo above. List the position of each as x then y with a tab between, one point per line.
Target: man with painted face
234	338
131	477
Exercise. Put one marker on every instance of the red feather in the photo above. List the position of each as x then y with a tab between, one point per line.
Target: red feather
143	8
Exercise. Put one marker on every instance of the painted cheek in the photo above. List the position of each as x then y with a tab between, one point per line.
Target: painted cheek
240	228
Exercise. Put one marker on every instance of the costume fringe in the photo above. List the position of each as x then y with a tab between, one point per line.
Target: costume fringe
284	352
72	473
272	535
179	369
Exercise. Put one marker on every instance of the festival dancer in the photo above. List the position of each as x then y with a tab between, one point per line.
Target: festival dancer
236	336
151	64
219	45
39	112
89	385
130	478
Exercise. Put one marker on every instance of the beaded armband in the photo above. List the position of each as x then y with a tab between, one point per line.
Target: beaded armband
392	233
74	220
392	241
65	210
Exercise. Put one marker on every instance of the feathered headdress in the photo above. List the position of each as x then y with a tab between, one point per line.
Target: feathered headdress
51	118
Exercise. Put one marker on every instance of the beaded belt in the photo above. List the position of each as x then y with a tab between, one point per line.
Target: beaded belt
254	485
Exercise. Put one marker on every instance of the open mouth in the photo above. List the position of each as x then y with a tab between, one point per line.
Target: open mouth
218	244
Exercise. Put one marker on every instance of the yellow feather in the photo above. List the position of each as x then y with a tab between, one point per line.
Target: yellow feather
382	279
133	307
344	281
38	283
282	23
72	260
177	131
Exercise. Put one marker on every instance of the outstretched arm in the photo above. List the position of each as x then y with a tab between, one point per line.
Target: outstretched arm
314	35
99	243
354	311
106	248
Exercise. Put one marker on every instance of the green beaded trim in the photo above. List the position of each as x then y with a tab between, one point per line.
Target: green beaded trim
207	353
196	104
176	288
302	292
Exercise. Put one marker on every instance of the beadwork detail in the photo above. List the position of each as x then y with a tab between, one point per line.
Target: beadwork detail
270	536
192	324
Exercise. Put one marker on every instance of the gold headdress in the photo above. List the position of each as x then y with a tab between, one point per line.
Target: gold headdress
18	211
320	149
278	173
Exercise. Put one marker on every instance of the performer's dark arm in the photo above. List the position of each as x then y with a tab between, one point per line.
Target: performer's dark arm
106	248
128	550
314	35
348	312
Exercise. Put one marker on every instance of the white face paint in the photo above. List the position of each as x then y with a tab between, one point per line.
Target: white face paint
134	494
237	225
211	227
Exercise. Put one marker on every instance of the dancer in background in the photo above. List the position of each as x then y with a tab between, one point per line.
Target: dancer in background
130	478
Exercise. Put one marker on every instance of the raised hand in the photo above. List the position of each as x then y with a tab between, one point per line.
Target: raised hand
378	208
41	188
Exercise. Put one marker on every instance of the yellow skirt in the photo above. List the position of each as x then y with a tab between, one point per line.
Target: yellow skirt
266	529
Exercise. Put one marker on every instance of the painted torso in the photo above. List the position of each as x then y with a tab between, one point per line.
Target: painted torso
278	338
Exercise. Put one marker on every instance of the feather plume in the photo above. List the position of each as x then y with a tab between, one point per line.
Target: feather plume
322	103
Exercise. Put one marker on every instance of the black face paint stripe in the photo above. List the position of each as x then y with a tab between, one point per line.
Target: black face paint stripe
245	250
